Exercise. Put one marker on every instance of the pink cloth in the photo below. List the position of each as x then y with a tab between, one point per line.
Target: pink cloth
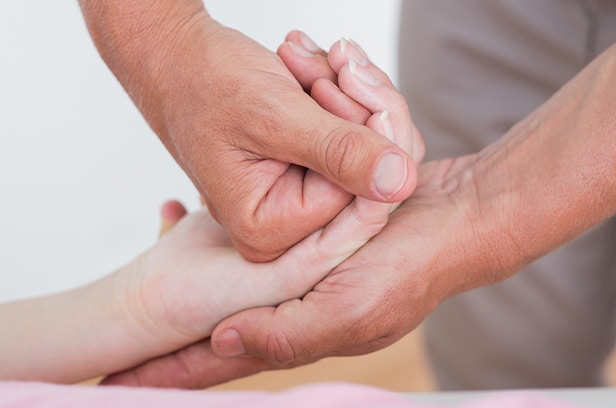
324	395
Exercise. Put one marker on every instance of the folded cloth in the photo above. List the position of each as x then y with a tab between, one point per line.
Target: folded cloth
322	395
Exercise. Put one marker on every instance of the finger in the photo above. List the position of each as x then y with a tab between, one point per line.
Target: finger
342	51
329	96
300	196
305	264
327	322
325	249
170	213
308	64
193	367
303	39
350	155
348	313
357	110
305	59
372	88
360	83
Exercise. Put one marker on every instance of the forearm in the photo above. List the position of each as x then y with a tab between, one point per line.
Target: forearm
136	41
550	178
67	337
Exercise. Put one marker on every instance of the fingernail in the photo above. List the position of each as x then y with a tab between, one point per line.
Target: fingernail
352	51
299	50
387	126
360	49
391	174
229	344
307	43
362	73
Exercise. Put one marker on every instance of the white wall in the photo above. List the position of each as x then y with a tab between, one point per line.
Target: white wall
81	174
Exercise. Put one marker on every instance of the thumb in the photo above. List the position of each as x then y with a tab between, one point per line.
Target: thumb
350	155
294	333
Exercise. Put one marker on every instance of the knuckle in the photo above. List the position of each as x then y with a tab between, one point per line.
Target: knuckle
279	349
256	247
258	241
247	233
376	319
342	150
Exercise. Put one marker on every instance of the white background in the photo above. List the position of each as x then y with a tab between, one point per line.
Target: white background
81	175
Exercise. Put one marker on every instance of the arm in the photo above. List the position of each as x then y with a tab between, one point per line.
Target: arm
57	337
231	113
81	333
471	221
167	298
173	295
552	176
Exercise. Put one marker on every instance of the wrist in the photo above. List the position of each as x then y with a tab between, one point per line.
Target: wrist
78	330
482	228
458	226
141	309
546	181
140	42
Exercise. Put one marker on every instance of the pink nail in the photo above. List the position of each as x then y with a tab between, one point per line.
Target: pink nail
362	73
351	51
299	50
229	344
391	175
307	43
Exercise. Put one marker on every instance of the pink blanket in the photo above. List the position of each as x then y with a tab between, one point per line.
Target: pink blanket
325	395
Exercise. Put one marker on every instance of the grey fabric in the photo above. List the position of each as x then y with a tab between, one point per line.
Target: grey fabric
470	69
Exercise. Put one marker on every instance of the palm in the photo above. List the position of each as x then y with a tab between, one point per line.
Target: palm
179	265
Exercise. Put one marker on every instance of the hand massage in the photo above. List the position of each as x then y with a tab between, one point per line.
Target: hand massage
341	210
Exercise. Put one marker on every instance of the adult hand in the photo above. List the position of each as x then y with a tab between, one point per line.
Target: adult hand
169	297
240	124
175	293
377	296
209	298
379	105
353	96
471	221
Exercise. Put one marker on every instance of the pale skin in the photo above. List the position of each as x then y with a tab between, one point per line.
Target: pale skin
169	297
174	294
471	221
229	111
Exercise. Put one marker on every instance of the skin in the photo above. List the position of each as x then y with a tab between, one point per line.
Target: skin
169	297
471	221
231	113
374	101
174	294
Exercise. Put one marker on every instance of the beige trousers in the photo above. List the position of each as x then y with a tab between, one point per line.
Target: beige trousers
470	69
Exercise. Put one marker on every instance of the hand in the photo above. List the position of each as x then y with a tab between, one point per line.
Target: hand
192	316
377	296
175	293
351	96
325	307
241	126
170	297
473	220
